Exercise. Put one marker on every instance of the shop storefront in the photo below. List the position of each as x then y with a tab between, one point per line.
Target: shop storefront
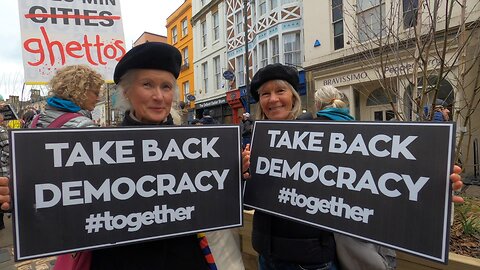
218	109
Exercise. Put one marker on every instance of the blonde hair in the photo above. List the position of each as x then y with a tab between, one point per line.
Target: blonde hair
123	104
73	82
328	96
296	103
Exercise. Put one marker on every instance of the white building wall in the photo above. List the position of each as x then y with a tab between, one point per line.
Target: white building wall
206	54
318	26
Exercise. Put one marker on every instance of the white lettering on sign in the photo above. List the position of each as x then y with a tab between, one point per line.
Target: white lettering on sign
388	184
97	153
394	146
123	188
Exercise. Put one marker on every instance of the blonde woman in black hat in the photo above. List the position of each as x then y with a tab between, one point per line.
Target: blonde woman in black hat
281	243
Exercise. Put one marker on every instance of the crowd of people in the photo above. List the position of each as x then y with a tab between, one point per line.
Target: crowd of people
146	78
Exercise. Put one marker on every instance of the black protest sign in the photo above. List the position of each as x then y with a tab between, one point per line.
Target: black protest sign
77	189
8	112
384	182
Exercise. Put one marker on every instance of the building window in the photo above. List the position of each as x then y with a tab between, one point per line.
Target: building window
288	1
275	50
217	71
410	12
239	68
185	55
273	4
291	48
203	28
371	19
202	3
263	54
184	27
262	7
337	21
205	77
239	22
186	90
216	26
174	35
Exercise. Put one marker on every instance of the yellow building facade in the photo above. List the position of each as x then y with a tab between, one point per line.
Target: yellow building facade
180	35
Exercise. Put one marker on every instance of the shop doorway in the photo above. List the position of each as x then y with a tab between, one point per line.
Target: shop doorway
378	106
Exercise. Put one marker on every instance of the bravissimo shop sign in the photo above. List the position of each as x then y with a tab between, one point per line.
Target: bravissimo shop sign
383	182
78	189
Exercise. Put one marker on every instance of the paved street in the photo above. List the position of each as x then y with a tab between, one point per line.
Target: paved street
6	253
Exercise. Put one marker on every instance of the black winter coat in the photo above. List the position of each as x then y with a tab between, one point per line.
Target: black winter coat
182	253
290	241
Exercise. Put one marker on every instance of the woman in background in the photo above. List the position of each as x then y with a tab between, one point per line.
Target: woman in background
74	92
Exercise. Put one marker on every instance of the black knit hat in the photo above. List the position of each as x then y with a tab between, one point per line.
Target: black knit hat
150	55
273	72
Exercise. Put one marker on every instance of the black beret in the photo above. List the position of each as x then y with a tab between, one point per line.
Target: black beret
149	55
273	72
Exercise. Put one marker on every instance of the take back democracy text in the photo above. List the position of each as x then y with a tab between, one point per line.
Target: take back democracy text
79	192
380	145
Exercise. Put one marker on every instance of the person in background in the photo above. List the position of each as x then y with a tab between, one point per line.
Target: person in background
73	89
195	122
247	128
27	117
282	243
207	119
332	105
4	158
440	112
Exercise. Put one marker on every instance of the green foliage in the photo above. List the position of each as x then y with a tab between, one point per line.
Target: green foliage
469	217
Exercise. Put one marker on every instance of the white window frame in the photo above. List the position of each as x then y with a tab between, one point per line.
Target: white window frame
217	69
263	53
186	90
185	55
262	7
240	70
184	27
216	26
368	13
174	35
205	77
292	51
410	13
337	23
239	24
203	29
275	49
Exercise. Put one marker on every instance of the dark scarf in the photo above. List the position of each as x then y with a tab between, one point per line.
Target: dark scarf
129	121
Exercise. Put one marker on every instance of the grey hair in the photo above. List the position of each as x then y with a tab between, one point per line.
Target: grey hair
328	96
123	104
297	103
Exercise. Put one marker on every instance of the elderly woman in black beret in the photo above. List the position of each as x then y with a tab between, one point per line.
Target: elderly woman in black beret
146	78
281	243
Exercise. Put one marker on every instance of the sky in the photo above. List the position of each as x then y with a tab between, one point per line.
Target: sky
138	16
